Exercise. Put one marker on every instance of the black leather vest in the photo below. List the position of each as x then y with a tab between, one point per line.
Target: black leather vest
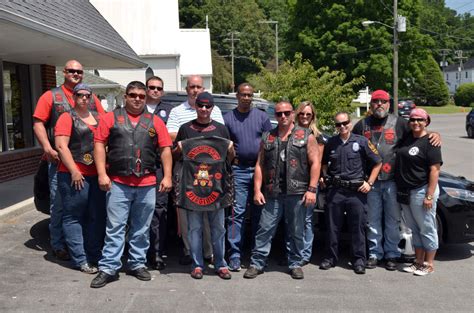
132	150
203	178
297	168
385	144
81	142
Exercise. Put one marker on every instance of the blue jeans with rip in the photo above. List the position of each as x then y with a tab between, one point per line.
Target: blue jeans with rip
83	219
243	186
135	205
55	209
421	221
195	228
292	208
383	234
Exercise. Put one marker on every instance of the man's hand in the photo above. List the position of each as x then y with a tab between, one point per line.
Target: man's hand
165	185
322	183
365	188
309	198
259	198
104	183
52	155
435	139
77	180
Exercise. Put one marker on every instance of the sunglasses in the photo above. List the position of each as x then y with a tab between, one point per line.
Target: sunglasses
194	86
73	71
155	88
204	105
305	114
246	95
82	95
339	124
413	120
135	95
379	101
281	113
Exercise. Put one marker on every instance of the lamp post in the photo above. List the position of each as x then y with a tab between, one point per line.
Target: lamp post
276	39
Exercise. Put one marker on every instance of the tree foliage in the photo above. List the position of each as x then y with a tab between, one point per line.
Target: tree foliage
465	95
430	88
297	81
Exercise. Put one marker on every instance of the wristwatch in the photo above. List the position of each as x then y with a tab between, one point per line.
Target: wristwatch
429	197
370	184
312	189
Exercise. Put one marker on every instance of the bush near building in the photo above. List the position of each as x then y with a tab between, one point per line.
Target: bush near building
464	95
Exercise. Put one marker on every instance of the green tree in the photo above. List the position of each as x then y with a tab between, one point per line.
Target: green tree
221	74
430	88
297	81
464	95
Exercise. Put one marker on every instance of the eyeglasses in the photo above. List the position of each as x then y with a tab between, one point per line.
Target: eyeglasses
305	114
281	113
339	124
73	71
246	95
194	86
135	95
82	95
413	120
155	88
379	101
204	105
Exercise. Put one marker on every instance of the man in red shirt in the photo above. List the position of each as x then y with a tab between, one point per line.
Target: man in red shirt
132	136
50	106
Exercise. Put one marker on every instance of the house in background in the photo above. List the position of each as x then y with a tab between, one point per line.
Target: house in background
35	38
455	77
151	28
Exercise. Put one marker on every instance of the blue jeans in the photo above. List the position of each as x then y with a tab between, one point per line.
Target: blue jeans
383	235
133	204
55	209
195	227
83	219
308	235
243	185
294	212
421	221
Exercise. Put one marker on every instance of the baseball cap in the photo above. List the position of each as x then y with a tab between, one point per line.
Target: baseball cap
205	97
380	95
81	86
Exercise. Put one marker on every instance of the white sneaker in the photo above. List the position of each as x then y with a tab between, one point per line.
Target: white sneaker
412	268
424	270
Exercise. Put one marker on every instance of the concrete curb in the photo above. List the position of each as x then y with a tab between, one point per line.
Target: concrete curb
17	209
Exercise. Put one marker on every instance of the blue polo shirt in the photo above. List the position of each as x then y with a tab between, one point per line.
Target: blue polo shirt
246	131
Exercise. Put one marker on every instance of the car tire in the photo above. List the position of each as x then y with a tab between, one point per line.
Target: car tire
470	132
440	228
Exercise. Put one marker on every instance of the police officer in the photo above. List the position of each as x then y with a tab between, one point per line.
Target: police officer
345	159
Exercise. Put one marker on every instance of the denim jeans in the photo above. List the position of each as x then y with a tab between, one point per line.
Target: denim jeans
294	212
195	231
159	228
383	214
308	235
421	221
243	185
83	219
135	205
55	209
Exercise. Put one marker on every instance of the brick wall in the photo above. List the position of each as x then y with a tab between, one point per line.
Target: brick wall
48	77
14	164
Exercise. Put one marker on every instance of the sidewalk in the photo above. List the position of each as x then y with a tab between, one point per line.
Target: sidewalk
16	196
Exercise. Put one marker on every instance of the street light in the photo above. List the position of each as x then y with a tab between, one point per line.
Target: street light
276	39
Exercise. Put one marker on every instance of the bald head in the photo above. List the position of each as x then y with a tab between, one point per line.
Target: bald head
194	86
73	73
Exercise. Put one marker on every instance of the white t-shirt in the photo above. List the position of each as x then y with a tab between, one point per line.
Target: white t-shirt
184	113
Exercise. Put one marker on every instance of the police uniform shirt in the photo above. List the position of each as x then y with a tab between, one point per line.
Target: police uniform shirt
162	110
348	160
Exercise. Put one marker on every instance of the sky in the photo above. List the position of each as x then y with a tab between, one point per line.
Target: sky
461	6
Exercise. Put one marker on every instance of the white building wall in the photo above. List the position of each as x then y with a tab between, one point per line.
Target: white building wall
453	80
167	68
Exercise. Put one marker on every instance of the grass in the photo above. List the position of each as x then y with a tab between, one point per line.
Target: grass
447	109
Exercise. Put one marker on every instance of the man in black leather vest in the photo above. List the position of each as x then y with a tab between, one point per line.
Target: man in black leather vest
286	176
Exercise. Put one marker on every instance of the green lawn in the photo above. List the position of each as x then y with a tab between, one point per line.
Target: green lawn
448	109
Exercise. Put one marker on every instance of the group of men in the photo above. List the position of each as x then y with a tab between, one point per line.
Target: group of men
245	166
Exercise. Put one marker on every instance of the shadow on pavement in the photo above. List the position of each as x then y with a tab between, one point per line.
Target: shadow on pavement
453	252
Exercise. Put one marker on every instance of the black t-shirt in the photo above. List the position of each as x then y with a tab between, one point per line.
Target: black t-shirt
401	128
194	129
414	158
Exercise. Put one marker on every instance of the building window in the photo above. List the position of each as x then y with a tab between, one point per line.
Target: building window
456	75
466	74
447	76
149	73
16	107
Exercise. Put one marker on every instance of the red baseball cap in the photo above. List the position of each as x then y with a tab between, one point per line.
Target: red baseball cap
380	95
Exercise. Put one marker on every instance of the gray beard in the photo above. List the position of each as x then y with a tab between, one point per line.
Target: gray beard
380	113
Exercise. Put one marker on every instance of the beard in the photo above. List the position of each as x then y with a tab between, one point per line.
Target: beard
381	113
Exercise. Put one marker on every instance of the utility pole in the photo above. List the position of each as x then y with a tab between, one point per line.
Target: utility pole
395	57
232	39
460	57
276	40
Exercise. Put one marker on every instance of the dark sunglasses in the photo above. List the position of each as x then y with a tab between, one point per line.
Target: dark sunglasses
281	113
82	95
135	95
155	88
305	114
73	71
413	120
379	101
345	123
204	105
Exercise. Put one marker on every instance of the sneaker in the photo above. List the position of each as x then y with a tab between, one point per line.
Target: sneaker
209	260
371	263
390	264
325	265
297	273
424	270
88	268
252	272
196	273
234	265
62	254
103	279
224	273
140	273
185	260
412	268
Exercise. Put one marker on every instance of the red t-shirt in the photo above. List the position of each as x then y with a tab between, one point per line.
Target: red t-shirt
45	104
164	140
64	128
